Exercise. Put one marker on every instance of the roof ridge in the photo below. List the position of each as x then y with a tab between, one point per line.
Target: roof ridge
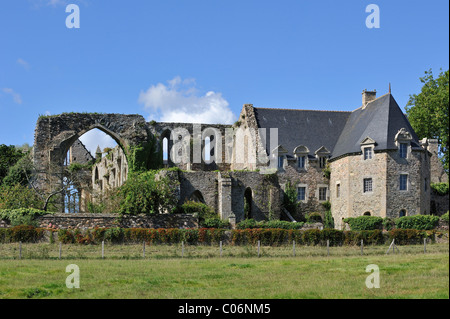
284	109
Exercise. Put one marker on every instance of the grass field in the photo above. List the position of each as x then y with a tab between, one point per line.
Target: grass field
124	273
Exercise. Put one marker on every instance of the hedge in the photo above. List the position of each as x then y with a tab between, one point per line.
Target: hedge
267	236
420	222
21	215
23	233
364	222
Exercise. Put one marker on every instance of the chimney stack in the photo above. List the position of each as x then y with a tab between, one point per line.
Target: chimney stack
368	96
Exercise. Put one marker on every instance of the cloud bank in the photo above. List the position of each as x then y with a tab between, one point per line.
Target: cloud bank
180	101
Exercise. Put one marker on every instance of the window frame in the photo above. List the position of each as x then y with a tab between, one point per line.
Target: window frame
367	188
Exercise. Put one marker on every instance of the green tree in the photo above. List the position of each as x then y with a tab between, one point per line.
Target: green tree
145	193
9	155
428	112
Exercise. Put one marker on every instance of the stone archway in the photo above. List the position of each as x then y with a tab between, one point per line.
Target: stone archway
55	134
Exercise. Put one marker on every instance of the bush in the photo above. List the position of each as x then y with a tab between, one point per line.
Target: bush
204	211
407	236
445	217
25	234
329	220
18	196
364	222
215	222
420	222
21	216
313	218
440	188
388	223
281	224
142	193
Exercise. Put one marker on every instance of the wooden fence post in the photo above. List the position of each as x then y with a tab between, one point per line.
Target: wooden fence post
60	250
328	247
103	249
362	246
293	248
20	249
220	248
259	245
143	249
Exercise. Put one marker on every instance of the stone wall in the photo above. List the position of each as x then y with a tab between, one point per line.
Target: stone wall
84	221
439	204
385	199
416	199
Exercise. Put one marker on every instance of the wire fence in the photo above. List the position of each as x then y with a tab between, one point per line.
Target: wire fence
182	250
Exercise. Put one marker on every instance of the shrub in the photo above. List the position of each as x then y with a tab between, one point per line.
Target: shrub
246	223
364	222
329	220
313	218
335	237
281	224
204	211
215	223
421	222
445	217
440	188
23	233
21	216
311	237
407	236
18	196
388	223
142	193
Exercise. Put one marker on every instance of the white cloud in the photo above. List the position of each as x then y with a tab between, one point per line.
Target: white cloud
95	138
16	97
23	63
180	101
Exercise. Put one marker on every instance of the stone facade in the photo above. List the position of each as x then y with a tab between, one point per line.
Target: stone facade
244	171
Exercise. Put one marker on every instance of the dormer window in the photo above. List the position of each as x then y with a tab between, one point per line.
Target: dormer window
403	141
322	161
367	153
301	162
278	154
301	152
367	148
322	154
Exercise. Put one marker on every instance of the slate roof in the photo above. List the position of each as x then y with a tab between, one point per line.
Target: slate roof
313	129
380	120
340	132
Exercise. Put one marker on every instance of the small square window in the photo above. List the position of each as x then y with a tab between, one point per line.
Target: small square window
301	193
368	185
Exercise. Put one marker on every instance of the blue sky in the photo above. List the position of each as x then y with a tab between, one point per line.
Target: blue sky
203	59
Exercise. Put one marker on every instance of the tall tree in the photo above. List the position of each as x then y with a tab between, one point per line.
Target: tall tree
428	112
9	155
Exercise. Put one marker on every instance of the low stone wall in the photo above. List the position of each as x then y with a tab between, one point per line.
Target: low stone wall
84	221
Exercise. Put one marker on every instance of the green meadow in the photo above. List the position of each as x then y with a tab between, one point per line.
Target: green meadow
199	272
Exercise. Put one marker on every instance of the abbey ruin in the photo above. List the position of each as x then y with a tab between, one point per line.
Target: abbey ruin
365	162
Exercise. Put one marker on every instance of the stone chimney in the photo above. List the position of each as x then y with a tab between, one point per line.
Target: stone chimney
368	96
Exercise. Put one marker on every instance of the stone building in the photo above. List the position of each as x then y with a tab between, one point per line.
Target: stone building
365	162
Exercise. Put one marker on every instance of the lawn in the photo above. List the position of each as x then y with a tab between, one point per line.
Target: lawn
342	274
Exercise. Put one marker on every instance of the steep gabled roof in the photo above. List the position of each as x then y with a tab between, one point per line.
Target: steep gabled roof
339	132
312	129
381	119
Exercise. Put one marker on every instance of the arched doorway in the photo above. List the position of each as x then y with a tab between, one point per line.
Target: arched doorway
197	196
248	203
